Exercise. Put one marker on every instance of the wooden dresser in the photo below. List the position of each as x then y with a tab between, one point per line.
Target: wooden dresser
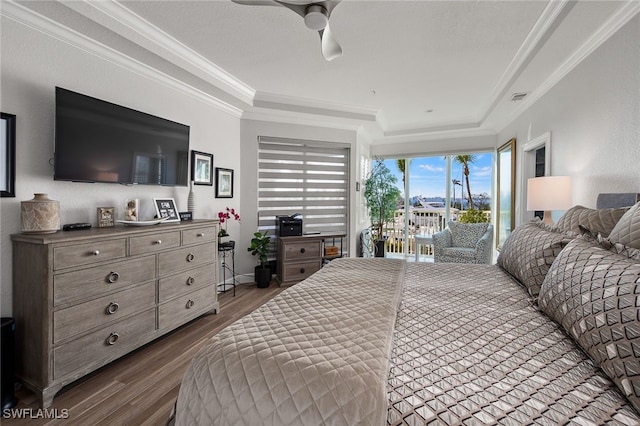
299	257
82	299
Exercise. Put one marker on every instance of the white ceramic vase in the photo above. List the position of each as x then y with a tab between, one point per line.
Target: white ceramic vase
191	201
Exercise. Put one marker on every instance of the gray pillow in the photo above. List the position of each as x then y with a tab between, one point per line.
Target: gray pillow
599	221
627	230
529	252
594	294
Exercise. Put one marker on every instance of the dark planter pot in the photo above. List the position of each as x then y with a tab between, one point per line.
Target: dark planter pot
262	276
379	248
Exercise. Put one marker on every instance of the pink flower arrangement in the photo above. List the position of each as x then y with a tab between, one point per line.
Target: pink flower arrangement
225	217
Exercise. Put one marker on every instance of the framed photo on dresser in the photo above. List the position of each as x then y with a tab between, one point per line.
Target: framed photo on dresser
166	208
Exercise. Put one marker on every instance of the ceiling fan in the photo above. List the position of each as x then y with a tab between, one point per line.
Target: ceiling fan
316	17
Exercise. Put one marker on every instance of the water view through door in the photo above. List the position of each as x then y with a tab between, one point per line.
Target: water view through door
438	190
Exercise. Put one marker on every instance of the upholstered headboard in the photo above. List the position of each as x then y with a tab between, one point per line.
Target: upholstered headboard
613	200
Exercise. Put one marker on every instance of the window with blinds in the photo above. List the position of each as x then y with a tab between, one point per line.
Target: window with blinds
306	177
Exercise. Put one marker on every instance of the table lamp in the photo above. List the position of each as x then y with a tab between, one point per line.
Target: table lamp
549	193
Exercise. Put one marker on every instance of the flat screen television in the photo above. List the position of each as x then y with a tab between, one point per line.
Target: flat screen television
98	141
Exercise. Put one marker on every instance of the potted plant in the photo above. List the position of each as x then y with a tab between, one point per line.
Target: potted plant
381	195
260	247
225	217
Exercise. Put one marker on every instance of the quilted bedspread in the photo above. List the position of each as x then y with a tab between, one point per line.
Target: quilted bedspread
318	353
470	349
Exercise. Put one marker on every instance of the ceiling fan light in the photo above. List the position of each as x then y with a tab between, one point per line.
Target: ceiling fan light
316	17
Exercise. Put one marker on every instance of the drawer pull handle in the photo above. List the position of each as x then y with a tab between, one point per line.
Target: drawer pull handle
302	270
113	277
113	338
200	234
190	280
157	242
95	252
190	257
112	308
302	250
190	304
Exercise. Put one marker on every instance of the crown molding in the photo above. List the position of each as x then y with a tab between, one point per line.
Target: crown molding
452	133
312	106
300	118
166	46
463	125
551	16
57	31
606	30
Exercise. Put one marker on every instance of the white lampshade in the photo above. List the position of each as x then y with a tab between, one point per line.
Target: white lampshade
549	193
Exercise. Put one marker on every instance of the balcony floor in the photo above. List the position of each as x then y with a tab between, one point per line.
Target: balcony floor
410	257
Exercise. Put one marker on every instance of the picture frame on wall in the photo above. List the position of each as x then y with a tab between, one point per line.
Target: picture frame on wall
166	209
224	183
201	168
8	155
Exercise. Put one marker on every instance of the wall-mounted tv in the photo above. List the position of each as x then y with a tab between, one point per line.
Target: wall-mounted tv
97	141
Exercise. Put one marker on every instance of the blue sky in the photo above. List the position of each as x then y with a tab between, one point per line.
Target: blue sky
428	174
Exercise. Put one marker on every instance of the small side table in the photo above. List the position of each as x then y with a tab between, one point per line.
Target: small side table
227	251
426	240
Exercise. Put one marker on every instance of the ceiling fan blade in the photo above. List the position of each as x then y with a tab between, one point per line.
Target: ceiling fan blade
330	47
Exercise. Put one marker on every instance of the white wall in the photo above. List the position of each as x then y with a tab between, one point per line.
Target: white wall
250	130
593	115
32	65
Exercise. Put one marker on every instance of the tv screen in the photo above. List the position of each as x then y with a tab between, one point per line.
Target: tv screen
97	141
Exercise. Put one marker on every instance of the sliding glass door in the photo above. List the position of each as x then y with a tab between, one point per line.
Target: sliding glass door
436	189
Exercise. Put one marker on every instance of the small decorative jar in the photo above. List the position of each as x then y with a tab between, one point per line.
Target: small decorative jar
41	215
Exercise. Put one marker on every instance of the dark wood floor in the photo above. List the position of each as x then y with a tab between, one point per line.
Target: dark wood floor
141	388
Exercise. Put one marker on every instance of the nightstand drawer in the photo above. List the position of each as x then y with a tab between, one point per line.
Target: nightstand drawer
79	318
186	307
300	270
184	282
188	257
199	235
153	242
90	283
302	250
88	253
104	345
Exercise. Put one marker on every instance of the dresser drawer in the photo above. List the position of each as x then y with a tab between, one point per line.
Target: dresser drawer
85	316
205	234
88	253
152	243
186	307
88	284
188	257
104	345
184	282
300	270
302	250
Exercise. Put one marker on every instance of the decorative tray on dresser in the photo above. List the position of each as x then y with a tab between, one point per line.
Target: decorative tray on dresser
82	299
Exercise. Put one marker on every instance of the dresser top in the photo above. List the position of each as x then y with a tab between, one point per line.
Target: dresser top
112	231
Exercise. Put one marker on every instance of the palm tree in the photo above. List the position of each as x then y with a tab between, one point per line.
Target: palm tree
465	160
402	164
455	182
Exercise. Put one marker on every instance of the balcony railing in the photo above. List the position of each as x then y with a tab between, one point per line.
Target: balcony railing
422	221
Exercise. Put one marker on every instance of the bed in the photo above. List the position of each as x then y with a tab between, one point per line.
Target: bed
542	340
